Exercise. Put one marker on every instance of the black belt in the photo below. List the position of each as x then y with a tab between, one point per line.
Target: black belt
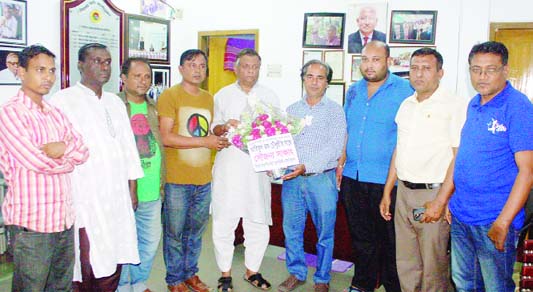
307	174
420	186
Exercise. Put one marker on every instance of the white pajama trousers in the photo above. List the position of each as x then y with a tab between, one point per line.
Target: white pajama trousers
256	237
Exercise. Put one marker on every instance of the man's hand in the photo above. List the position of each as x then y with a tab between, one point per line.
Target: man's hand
222	129
54	150
216	142
433	212
384	208
133	194
300	169
497	234
338	175
448	215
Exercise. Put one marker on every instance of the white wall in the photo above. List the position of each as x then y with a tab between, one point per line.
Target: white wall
460	25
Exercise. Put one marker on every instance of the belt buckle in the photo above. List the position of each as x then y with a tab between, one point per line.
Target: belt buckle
433	186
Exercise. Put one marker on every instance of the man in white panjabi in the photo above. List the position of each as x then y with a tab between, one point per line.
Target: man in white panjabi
105	224
237	190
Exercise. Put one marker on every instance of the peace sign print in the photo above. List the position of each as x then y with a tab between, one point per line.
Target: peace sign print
197	125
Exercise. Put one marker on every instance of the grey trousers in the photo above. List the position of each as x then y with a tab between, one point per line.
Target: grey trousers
421	248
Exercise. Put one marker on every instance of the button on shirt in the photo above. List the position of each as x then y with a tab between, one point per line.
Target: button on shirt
371	128
485	167
427	132
320	144
39	196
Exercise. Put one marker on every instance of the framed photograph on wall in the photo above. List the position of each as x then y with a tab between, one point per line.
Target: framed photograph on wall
366	21
9	62
13	21
323	30
160	81
147	37
401	57
356	74
413	27
336	92
335	59
309	55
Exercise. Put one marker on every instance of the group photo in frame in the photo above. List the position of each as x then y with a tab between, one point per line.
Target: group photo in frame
356	74
401	58
9	62
413	27
147	37
366	22
323	30
160	81
13	21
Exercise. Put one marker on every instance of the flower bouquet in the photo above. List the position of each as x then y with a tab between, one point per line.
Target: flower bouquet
265	132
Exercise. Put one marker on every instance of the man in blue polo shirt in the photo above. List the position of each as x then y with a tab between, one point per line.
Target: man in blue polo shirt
370	108
493	175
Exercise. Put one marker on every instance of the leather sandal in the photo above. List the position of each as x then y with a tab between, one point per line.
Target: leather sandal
258	281
224	284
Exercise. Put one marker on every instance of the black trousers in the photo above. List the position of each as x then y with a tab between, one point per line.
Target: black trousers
373	247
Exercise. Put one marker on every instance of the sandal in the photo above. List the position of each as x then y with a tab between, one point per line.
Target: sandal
224	284
258	281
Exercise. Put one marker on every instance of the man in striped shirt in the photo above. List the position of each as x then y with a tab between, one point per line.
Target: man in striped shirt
38	149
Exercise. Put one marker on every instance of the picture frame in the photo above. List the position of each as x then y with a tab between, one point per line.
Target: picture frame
335	59
401	57
9	67
366	18
160	81
323	30
147	37
336	92
13	22
413	27
308	55
157	8
355	74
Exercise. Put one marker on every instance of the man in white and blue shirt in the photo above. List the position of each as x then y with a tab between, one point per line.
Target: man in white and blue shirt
493	175
311	186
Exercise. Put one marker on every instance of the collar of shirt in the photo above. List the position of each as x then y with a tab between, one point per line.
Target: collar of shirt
363	36
496	101
388	82
439	94
88	91
323	101
238	85
122	96
30	104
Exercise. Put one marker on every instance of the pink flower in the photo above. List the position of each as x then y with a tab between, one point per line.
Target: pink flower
270	131
255	132
263	117
284	130
266	124
256	136
237	141
254	125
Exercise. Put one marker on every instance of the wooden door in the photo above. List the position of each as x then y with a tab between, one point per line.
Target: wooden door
518	38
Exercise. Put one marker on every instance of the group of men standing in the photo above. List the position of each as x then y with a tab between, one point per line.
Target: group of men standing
86	171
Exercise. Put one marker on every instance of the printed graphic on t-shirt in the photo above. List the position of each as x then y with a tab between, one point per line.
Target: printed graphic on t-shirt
495	126
198	125
146	143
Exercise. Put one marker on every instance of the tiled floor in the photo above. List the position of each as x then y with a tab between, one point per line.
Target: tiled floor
272	269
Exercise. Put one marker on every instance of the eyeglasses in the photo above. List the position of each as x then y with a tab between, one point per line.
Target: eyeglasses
13	63
100	62
491	71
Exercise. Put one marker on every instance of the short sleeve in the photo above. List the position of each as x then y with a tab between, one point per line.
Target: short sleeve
166	104
521	125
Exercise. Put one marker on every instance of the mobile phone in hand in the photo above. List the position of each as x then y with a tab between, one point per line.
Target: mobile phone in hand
417	213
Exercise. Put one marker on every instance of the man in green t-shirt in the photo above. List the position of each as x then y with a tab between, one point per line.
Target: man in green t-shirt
136	76
185	113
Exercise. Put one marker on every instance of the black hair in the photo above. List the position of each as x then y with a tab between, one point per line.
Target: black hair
429	52
329	71
490	47
31	52
82	52
190	54
125	68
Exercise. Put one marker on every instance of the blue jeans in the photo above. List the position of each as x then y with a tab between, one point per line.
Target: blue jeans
317	195
185	215
42	261
148	221
476	264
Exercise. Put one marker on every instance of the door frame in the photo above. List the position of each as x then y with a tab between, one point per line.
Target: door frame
495	26
203	42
